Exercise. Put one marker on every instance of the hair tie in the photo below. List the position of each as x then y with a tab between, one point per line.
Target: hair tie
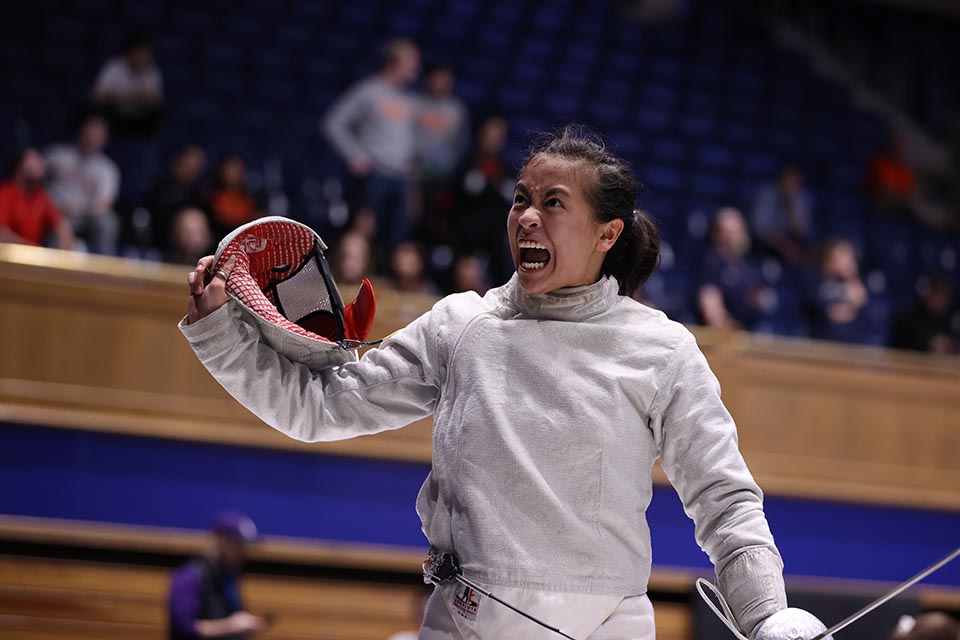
636	215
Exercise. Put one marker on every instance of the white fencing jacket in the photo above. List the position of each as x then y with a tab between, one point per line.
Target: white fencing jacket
549	412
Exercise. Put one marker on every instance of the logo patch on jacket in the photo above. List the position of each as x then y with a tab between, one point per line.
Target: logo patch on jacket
466	602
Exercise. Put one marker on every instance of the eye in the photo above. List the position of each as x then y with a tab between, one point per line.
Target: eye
555	202
518	199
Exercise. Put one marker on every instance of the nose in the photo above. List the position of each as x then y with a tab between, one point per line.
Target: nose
530	218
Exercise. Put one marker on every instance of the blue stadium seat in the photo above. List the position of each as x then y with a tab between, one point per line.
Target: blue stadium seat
741	135
193	20
612	113
653	119
146	13
564	105
698	127
404	24
474	92
662	178
672	149
627	143
242	28
715	157
715	185
624	63
495	40
761	165
293	34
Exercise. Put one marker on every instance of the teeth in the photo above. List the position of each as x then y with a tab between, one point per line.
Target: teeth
530	244
532	266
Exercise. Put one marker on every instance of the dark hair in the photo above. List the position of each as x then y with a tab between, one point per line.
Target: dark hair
16	160
225	159
136	40
89	116
393	49
438	67
613	194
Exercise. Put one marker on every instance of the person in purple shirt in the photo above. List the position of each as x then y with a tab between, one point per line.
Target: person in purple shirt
205	593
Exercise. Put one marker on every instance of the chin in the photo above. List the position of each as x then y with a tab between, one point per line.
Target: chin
533	284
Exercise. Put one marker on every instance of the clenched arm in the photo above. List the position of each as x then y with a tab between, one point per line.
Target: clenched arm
698	448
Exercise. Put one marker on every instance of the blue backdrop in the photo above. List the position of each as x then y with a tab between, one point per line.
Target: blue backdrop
145	481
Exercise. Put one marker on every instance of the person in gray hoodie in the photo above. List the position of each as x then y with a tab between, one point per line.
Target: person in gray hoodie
373	128
552	396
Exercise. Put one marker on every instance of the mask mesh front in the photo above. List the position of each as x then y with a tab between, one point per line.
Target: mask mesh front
304	293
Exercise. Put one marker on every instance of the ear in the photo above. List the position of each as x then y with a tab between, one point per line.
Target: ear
609	232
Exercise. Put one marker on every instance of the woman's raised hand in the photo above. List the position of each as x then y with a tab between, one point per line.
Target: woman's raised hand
207	292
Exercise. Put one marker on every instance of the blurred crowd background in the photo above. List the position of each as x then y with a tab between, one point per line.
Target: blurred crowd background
802	159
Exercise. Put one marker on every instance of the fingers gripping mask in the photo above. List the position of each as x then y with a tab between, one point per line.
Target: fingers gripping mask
282	281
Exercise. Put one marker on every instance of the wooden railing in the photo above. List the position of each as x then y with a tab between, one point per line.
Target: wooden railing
90	343
58	598
43	597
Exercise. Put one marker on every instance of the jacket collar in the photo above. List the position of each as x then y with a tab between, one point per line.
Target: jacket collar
572	304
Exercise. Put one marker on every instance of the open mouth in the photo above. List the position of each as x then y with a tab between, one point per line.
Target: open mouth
533	255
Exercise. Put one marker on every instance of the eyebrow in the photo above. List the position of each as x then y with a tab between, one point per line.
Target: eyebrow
553	190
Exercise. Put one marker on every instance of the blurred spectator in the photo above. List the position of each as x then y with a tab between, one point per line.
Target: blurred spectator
928	626
891	181
781	217
484	199
469	274
927	326
351	259
442	138
27	214
190	237
407	270
204	599
373	126
83	182
839	299
129	89
231	202
894	188
732	294
179	189
443	126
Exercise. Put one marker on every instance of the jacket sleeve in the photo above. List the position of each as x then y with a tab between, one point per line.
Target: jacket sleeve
697	441
386	389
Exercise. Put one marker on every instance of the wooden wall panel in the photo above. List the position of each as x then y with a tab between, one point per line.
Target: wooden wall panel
91	343
58	598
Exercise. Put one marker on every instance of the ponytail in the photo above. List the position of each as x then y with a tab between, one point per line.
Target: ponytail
636	254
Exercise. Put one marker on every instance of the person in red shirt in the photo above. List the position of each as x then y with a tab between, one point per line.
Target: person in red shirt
27	214
891	180
231	202
894	188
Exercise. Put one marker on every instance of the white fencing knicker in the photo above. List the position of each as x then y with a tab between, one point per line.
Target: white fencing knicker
457	612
